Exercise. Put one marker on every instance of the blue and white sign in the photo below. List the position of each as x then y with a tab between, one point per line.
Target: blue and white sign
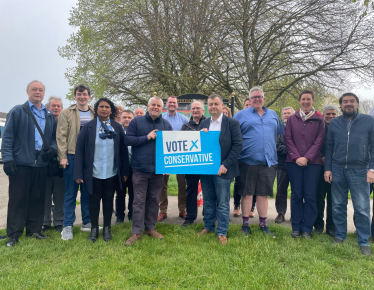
187	152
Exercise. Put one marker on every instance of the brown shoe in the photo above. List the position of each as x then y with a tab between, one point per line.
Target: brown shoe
203	232
132	239
222	240
162	216
237	211
252	214
154	234
279	219
183	215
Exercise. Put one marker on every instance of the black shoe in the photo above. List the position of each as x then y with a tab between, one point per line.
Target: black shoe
330	233
365	250
306	236
266	230
279	219
38	236
118	222
45	228
107	235
11	242
187	223
3	237
295	234
246	230
94	234
58	228
337	241
318	231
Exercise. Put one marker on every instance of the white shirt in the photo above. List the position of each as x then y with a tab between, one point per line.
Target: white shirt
216	125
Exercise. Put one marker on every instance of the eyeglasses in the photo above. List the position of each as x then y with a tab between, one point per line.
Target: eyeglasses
195	108
256	97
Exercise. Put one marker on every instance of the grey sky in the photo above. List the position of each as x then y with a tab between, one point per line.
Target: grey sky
30	33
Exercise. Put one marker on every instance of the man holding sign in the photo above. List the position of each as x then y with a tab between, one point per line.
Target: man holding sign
147	185
216	188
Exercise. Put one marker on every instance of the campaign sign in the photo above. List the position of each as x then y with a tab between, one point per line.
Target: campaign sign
187	152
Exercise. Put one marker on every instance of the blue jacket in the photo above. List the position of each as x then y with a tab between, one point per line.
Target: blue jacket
350	149
230	140
19	137
85	151
144	150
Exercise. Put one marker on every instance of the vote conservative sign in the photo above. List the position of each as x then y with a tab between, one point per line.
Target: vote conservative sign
187	152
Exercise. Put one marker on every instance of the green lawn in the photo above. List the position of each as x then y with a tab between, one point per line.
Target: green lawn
184	260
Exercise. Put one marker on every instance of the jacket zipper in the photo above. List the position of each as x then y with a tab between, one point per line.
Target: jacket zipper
346	157
154	148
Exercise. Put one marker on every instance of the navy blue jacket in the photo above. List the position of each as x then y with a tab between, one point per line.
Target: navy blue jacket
85	151
144	150
19	137
282	150
350	149
231	141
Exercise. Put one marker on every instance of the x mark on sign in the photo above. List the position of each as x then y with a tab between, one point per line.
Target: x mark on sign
194	144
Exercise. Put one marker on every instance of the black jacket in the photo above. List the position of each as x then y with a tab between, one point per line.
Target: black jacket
230	140
191	125
282	150
143	156
350	149
85	151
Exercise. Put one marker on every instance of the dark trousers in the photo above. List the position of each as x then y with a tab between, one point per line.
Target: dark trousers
121	198
103	189
147	190
324	189
26	200
372	219
55	189
304	183
191	196
282	187
237	197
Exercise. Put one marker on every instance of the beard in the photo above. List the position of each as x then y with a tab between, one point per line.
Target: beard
348	114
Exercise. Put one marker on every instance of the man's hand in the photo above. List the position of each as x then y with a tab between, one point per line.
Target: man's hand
222	170
64	163
125	178
302	161
328	176
323	160
370	177
168	174
152	135
205	130
79	181
10	168
48	154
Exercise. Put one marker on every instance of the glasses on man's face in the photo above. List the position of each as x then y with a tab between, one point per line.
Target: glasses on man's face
195	108
256	97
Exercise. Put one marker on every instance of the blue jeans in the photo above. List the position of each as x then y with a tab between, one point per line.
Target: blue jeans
216	196
354	180
304	184
71	190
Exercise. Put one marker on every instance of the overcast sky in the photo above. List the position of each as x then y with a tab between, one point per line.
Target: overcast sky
30	33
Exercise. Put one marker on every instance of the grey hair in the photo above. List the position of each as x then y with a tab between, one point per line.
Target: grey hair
34	81
156	98
256	89
289	108
196	101
330	107
48	105
120	106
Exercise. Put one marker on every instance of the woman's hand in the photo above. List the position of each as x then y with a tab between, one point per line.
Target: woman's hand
125	178
79	181
302	161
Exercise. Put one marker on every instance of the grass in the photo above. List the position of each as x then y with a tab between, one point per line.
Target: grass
184	260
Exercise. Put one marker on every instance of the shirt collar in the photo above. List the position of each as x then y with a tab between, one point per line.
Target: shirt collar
176	113
254	111
219	120
99	121
31	105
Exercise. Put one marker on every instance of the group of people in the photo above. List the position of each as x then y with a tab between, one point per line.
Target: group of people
106	150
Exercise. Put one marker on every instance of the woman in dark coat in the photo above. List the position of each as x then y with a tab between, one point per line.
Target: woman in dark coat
304	137
101	161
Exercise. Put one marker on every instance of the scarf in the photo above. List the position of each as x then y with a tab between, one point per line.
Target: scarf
106	130
305	117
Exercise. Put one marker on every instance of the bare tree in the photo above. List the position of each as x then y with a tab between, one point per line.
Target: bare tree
366	105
